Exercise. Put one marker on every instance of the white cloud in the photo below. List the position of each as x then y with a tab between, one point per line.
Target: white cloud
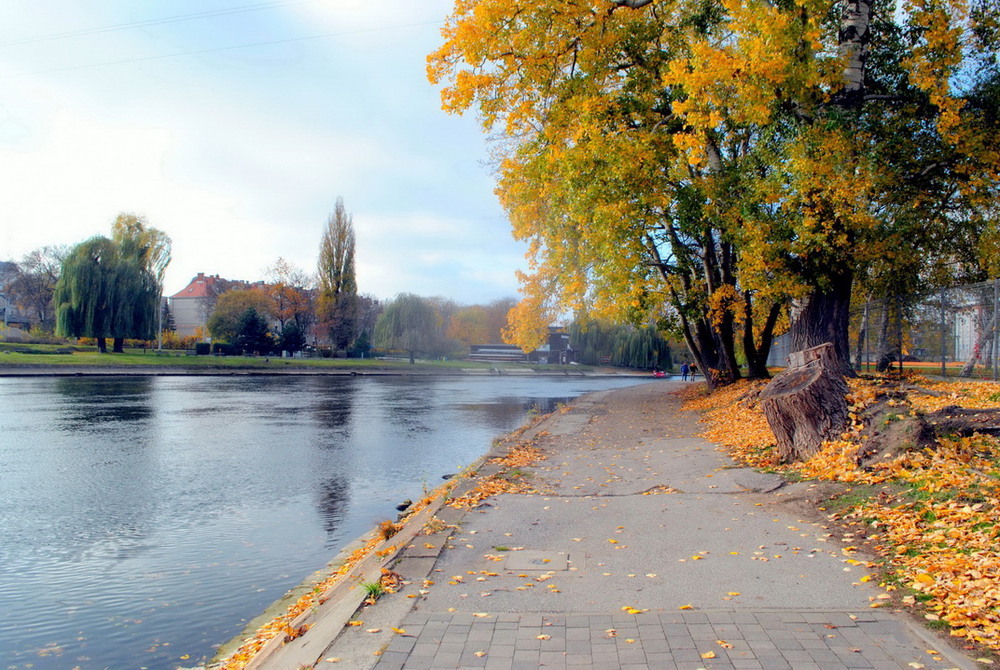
239	155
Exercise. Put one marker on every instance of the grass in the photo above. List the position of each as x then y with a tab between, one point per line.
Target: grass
373	590
28	355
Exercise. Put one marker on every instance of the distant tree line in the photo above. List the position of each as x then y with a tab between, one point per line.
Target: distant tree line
111	288
599	342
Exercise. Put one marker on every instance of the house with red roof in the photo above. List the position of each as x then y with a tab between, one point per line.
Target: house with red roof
192	305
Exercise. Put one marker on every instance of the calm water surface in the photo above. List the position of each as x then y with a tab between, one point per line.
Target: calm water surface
145	520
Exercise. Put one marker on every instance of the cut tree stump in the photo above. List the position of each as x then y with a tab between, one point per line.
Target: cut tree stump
806	404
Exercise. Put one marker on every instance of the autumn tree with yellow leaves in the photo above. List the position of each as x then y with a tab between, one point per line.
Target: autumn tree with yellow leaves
744	162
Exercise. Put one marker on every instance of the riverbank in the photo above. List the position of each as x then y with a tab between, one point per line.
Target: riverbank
149	362
639	545
179	370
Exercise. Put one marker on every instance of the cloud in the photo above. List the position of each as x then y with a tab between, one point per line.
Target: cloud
240	154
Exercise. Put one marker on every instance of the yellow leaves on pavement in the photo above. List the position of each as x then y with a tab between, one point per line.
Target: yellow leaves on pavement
931	514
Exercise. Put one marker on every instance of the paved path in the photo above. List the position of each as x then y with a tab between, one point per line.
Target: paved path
646	548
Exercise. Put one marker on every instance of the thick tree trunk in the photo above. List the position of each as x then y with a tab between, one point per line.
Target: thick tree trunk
102	345
757	353
806	404
119	345
824	316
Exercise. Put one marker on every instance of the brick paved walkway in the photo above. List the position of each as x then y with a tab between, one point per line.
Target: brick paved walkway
715	639
634	509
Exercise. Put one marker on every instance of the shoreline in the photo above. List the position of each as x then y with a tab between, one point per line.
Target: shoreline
341	598
42	370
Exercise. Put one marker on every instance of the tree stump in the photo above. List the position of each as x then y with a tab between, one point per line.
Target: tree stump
806	404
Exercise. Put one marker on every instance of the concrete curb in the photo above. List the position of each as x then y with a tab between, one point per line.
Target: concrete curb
339	603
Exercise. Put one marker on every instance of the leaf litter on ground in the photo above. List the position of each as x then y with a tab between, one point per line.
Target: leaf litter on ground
931	514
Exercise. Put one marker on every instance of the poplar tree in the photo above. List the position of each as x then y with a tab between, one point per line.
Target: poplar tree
338	287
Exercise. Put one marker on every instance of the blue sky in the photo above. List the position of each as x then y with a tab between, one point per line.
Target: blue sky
239	153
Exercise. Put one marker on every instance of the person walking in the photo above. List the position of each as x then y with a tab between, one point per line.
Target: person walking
685	369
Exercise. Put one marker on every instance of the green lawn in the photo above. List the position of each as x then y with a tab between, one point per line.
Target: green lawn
14	355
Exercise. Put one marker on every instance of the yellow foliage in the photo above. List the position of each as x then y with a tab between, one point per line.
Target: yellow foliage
936	520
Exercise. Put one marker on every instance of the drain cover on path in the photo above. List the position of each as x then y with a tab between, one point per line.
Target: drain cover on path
544	561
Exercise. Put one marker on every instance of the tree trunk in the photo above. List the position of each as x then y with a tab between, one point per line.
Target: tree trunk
883	351
412	359
823	316
119	345
757	354
102	345
859	349
806	404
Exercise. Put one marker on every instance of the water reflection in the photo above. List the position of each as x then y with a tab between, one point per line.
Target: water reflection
411	403
163	512
332	501
89	402
334	405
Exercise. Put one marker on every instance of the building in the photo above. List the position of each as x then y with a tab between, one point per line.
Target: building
11	315
556	350
192	305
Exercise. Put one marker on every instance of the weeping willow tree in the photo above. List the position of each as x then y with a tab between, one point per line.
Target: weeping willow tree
407	323
110	288
598	341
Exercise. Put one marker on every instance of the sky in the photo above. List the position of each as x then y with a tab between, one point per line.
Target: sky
234	125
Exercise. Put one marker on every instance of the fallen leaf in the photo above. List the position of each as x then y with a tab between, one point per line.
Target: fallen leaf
708	654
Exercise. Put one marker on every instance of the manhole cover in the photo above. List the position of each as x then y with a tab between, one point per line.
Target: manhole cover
543	561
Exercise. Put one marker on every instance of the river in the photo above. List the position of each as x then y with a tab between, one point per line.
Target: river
145	520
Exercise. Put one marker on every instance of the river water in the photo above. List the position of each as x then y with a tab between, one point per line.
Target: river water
145	520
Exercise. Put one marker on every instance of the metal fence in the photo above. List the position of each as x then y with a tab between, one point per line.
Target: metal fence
951	332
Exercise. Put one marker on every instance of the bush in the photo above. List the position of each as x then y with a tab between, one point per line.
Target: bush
202	348
172	340
34	336
223	349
